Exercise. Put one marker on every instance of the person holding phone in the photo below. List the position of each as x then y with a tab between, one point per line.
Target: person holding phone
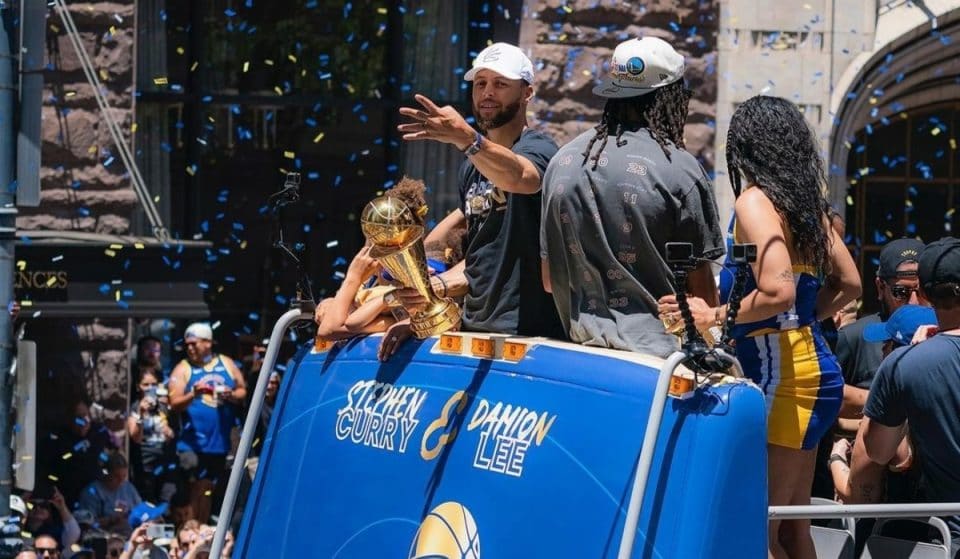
207	388
49	514
141	545
153	450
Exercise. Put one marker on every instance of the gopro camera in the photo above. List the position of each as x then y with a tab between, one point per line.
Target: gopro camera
744	253
679	253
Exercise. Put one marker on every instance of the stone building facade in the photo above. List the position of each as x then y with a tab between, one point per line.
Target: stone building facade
571	43
84	188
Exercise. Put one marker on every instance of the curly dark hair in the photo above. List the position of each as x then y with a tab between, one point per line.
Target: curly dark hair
411	192
663	112
449	250
772	146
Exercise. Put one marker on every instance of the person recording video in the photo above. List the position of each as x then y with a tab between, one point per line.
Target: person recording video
149	428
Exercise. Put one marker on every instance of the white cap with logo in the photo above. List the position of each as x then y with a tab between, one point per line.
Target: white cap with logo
504	59
200	330
640	66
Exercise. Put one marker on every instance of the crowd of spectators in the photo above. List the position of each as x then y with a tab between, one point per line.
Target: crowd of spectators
153	490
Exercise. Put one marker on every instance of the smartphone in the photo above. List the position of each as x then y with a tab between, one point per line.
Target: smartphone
160	531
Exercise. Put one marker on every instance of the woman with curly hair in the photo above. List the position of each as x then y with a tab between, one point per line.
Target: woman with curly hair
803	274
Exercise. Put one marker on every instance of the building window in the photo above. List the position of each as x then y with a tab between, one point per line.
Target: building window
903	182
231	94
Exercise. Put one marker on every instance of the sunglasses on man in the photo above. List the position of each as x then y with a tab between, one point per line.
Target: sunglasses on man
902	292
47	551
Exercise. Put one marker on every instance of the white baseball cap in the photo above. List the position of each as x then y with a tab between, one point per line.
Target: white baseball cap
639	66
17	505
200	330
504	59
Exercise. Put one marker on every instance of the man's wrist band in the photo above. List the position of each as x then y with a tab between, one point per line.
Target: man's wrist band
444	284
474	148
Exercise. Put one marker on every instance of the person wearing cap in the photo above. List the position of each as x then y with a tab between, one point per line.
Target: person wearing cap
803	274
499	185
206	388
920	385
615	195
897	331
896	283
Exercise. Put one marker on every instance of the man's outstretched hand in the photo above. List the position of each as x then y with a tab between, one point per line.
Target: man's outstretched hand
442	124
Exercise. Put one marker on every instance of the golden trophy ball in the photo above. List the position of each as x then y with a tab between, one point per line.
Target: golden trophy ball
396	236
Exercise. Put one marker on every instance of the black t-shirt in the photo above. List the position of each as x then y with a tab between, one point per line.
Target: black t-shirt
502	251
859	359
920	384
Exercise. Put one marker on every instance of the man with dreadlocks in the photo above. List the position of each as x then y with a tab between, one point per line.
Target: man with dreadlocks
615	195
500	198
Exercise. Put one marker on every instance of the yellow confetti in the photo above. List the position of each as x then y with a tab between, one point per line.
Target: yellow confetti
180	50
26	303
319	137
54	28
104	75
113	30
382	11
268	62
110	253
950	212
116	246
953	143
351	89
70	94
21	265
873	100
904	116
292	58
207	493
116	295
156	199
278	90
190	170
849	200
568	9
139	246
66	456
243	245
133	127
51	280
935	131
162	80
246	66
194	66
289	155
92	149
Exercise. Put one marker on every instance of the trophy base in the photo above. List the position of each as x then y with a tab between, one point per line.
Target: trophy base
435	319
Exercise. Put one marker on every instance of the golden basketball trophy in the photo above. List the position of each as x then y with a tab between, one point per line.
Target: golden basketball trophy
397	238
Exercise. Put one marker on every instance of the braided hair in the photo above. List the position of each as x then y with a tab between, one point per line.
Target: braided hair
663	112
772	146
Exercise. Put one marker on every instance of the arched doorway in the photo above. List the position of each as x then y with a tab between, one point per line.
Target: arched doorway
894	167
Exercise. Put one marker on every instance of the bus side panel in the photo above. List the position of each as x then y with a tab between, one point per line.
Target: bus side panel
438	456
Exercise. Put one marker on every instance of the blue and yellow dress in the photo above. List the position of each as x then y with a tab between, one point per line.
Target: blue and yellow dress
788	357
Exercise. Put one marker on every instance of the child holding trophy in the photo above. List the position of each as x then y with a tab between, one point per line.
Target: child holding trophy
363	304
